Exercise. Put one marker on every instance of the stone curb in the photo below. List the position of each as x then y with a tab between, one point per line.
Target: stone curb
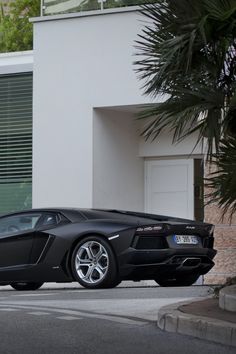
227	298
171	319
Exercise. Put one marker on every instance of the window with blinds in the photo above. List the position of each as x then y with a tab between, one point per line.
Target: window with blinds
15	142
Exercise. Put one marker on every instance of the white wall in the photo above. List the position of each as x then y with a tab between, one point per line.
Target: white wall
79	63
118	171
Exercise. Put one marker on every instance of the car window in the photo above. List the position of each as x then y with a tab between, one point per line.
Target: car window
17	223
49	219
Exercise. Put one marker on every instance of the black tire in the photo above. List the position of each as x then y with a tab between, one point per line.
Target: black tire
184	280
26	286
93	264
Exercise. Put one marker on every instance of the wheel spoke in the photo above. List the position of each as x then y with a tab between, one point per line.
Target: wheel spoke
100	254
82	265
81	261
89	273
100	270
87	250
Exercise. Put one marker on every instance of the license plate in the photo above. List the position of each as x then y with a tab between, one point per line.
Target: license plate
186	239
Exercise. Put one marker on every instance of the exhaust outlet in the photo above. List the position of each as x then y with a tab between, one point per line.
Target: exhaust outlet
191	262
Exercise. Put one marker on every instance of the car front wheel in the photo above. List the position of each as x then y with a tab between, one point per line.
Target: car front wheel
93	263
26	286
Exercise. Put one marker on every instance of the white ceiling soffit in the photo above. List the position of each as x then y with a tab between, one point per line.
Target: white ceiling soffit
125	108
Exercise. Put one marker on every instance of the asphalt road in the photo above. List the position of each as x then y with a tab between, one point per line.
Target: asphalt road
76	320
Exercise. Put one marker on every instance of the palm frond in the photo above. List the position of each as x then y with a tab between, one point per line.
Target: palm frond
222	182
187	50
185	113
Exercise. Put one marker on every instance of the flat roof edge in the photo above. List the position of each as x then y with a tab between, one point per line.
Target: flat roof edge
26	53
16	62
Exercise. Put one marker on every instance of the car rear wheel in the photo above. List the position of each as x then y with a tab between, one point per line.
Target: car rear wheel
93	263
184	280
26	286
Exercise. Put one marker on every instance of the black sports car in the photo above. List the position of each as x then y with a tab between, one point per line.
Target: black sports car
100	248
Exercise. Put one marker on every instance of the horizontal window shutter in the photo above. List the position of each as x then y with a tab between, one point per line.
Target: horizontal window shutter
15	142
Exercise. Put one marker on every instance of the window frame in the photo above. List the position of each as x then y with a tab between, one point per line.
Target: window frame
20	231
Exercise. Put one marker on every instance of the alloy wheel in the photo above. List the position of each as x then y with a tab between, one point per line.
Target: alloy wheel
91	262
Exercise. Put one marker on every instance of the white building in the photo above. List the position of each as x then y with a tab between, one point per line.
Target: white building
87	149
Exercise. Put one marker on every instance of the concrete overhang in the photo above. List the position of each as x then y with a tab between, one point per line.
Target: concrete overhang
16	62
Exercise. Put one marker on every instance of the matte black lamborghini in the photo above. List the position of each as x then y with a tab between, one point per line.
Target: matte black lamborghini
100	248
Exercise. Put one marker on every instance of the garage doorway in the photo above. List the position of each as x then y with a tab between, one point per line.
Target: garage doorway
174	187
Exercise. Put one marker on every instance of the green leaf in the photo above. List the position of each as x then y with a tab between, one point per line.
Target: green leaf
16	32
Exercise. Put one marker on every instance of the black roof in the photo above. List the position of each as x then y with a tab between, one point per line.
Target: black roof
77	213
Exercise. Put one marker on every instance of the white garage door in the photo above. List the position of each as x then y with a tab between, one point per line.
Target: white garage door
169	187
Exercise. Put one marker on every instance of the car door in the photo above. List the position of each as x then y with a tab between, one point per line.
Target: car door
16	239
42	239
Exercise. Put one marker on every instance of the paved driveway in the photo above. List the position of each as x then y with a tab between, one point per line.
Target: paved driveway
76	320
